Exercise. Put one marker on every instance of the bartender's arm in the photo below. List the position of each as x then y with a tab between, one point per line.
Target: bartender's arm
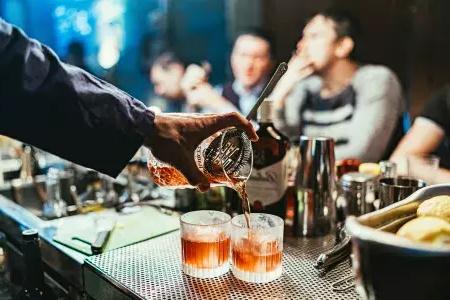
71	113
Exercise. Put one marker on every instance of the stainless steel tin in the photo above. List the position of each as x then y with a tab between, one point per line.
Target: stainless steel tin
356	193
389	267
395	189
315	185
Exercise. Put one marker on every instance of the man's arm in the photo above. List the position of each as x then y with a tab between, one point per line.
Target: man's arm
289	94
63	109
287	114
423	137
200	93
209	100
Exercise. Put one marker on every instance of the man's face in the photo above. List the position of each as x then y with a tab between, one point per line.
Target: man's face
250	60
319	42
166	81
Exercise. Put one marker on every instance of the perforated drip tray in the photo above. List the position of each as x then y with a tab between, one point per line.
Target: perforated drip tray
152	270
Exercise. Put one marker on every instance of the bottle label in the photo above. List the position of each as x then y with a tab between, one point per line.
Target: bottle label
267	185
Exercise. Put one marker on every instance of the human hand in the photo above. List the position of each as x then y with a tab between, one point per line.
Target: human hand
205	97
175	137
299	67
194	76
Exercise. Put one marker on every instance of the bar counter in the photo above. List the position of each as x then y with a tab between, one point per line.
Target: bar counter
152	269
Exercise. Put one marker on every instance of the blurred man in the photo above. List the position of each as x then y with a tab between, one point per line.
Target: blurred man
251	63
165	74
326	92
428	132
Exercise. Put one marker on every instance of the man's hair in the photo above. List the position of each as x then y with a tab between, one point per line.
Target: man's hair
167	58
259	33
345	25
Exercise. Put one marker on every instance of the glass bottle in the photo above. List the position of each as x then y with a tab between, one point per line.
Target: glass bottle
54	206
33	283
268	183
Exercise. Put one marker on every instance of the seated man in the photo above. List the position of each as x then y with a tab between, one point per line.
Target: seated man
429	130
251	64
325	92
166	73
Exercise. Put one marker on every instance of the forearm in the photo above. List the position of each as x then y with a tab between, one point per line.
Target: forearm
218	104
282	90
287	116
65	110
298	69
418	169
424	137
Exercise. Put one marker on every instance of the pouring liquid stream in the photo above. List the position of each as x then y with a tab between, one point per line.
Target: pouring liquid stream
240	188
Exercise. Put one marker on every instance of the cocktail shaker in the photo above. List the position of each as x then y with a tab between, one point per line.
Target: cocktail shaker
314	212
356	194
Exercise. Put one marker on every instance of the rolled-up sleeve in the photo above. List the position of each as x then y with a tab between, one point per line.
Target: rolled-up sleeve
65	110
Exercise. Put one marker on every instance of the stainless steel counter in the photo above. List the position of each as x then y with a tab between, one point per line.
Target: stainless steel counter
152	270
62	264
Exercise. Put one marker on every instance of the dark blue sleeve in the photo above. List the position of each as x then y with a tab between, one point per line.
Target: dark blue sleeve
65	110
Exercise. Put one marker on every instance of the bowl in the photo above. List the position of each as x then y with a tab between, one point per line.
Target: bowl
391	267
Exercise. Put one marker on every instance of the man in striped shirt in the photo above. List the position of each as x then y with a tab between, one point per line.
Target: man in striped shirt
325	92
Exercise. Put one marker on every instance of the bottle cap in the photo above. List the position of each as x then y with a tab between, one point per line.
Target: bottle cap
370	168
30	234
265	111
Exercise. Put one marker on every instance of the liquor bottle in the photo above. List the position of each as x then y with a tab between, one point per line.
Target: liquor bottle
33	284
268	182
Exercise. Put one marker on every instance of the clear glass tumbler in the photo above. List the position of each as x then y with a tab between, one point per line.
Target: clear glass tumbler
205	243
257	252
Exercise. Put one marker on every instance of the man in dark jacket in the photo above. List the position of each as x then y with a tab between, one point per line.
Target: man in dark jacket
71	113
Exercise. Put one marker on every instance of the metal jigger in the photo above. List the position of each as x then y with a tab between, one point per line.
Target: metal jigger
314	212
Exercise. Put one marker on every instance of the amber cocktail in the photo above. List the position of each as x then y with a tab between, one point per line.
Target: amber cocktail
257	252
205	243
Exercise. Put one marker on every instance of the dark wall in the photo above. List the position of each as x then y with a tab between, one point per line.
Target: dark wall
197	32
